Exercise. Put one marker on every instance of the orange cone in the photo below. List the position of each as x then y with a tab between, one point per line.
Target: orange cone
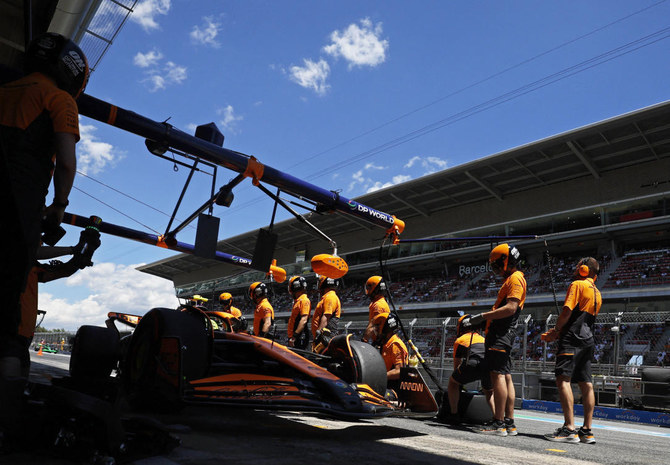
39	352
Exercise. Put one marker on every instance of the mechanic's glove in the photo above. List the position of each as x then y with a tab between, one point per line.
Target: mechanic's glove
89	241
468	324
322	339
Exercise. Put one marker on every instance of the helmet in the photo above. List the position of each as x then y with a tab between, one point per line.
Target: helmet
374	285
59	58
226	299
257	290
503	258
296	284
459	330
325	282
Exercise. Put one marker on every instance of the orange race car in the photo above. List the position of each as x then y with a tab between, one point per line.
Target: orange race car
176	358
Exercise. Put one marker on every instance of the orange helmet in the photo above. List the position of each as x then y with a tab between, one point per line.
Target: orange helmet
374	285
503	258
226	299
257	290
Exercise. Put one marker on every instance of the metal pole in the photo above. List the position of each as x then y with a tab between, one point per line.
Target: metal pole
525	342
443	344
544	348
617	338
411	328
170	136
152	239
346	327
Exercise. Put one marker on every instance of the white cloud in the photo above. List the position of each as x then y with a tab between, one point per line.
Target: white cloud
145	12
412	161
206	34
366	183
112	288
159	76
360	46
175	73
312	75
230	119
429	164
156	82
94	155
145	60
372	166
400	178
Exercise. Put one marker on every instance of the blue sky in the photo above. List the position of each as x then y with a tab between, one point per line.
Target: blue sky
348	95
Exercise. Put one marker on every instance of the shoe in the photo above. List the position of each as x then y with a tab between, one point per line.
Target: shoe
510	427
563	434
495	428
586	436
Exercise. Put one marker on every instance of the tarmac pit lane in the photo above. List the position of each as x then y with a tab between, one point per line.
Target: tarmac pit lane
219	435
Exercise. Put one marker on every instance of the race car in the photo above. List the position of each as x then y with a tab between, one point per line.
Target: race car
175	358
48	348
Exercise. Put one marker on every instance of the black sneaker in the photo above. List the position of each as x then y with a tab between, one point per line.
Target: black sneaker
495	428
563	434
586	436
510	427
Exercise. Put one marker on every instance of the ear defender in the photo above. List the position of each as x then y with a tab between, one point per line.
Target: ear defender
583	271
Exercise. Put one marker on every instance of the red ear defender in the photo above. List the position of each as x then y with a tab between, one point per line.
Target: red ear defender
583	271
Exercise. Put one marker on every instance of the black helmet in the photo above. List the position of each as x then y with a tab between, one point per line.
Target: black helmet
296	284
257	290
326	283
59	58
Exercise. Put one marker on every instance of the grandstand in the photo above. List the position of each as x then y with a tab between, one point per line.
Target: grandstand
599	190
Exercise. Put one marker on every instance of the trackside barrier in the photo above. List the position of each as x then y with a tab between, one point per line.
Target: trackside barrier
605	413
625	345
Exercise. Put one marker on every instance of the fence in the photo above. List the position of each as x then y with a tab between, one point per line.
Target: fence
625	343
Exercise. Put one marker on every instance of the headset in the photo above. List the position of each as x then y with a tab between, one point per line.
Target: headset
583	269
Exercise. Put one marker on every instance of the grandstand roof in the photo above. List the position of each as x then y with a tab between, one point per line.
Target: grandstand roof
586	152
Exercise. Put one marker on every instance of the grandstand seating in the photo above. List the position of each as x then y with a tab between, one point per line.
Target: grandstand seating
642	268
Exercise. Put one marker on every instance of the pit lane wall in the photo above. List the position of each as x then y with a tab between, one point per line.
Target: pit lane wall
604	413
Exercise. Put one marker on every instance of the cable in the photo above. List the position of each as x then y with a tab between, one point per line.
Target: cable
126	195
142	203
481	81
494	102
116	210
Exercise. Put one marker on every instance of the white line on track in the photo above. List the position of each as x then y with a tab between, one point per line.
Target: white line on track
600	426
